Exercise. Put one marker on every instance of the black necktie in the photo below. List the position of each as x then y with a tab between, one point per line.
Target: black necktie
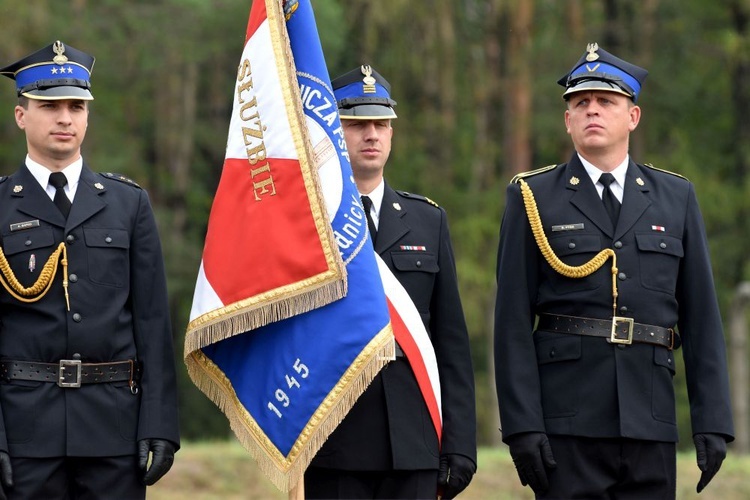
611	203
367	203
61	200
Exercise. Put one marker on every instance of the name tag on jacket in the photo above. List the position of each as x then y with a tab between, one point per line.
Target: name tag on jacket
568	227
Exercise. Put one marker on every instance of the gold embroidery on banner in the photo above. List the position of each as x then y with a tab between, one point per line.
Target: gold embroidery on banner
285	301
252	135
283	471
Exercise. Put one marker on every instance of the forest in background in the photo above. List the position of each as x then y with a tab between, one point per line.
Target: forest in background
475	82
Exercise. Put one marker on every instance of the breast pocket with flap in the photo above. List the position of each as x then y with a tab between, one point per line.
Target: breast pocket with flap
108	251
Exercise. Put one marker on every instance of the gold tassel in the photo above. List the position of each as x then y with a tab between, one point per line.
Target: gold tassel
235	319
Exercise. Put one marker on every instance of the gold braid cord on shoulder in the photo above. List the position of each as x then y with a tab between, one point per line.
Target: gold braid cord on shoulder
554	261
43	283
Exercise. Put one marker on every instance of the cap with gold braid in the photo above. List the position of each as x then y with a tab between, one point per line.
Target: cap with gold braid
55	72
363	94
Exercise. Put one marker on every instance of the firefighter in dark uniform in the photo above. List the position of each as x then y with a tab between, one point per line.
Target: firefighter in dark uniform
606	262
87	374
386	447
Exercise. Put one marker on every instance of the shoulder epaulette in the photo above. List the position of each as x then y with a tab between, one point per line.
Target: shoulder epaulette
121	178
417	197
522	175
649	165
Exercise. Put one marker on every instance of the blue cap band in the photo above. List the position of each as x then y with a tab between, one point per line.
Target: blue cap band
50	71
355	90
602	70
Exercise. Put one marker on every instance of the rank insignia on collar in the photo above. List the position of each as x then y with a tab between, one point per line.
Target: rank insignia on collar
397	206
639	181
17	189
574	180
98	185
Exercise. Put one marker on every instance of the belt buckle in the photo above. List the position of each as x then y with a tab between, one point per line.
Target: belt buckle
73	365
613	338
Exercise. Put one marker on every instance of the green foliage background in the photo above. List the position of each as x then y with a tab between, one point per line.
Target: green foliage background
460	70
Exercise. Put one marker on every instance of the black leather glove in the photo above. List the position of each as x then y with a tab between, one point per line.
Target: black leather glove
710	449
531	455
455	474
6	472
162	457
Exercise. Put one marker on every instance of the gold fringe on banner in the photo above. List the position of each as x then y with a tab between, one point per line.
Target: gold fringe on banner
303	296
254	313
286	471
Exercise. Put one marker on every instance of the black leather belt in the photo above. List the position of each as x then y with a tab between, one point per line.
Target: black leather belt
71	373
621	331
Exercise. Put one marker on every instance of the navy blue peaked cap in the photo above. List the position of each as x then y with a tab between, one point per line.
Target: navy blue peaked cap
597	69
57	71
363	94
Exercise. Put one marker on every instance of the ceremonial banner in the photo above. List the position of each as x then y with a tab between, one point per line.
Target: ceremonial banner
286	223
290	319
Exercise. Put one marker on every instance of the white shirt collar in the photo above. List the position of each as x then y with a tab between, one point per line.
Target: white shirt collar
41	174
619	173
376	195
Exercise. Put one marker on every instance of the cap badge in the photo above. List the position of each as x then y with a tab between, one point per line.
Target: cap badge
574	180
591	70
591	49
59	49
368	80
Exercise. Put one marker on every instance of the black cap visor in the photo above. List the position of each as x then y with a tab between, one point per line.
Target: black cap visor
367	112
56	92
594	83
366	108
